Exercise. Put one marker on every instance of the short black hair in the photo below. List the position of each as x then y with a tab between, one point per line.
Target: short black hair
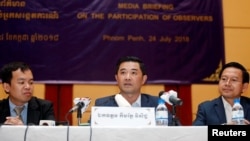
245	74
7	69
131	59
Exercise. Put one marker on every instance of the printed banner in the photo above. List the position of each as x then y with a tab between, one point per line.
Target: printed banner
79	41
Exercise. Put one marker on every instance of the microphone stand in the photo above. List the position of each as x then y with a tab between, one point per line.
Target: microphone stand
176	121
79	115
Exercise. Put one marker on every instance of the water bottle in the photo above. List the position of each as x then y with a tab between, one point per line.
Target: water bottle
237	113
161	113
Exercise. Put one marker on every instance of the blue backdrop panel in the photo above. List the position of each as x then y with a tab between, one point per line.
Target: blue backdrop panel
180	41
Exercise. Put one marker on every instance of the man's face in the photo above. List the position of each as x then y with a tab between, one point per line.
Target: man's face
21	87
130	78
230	84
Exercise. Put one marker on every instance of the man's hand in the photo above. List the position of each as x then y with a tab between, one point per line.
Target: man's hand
13	121
246	122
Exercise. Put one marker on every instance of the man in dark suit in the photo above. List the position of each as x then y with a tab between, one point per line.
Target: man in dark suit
233	82
130	75
17	81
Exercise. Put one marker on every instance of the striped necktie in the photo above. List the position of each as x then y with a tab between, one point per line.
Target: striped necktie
18	110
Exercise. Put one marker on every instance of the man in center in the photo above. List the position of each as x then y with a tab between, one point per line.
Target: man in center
130	75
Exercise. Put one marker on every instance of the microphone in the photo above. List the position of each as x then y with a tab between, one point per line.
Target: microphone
170	97
121	101
80	103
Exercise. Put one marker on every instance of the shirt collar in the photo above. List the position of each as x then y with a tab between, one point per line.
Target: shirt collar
137	103
228	109
12	105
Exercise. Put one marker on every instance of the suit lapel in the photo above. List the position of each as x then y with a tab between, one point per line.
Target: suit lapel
219	109
33	113
112	101
5	111
144	101
246	105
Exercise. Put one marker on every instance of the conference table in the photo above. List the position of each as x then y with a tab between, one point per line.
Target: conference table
88	133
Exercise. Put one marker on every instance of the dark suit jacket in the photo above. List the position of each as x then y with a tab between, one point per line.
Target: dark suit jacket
146	101
38	109
213	112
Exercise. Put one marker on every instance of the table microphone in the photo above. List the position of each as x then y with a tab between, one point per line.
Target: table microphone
121	101
170	97
77	106
80	103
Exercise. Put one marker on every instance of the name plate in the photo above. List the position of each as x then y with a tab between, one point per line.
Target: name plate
122	116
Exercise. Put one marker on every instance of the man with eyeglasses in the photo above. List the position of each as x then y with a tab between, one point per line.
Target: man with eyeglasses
233	82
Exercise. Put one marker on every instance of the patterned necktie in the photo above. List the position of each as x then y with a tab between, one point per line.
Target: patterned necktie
18	110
